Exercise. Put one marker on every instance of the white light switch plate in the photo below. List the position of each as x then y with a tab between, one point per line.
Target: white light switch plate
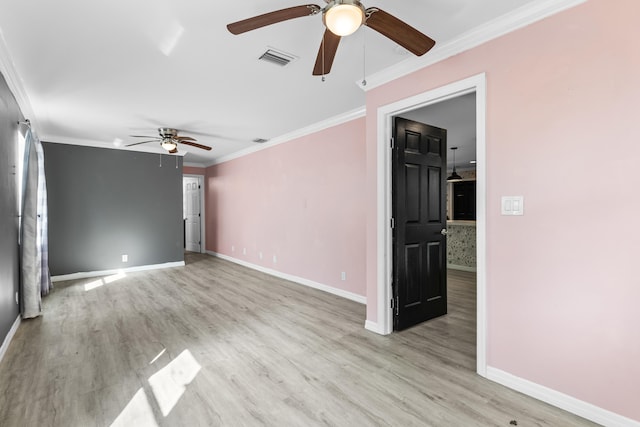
512	205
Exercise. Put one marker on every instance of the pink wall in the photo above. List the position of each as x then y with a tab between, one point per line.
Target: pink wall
301	201
562	122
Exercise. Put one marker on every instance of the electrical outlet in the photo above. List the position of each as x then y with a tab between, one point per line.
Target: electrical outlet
233	248
343	276
275	259
260	255
244	251
125	258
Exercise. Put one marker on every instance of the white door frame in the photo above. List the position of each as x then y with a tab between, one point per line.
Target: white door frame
203	233
384	257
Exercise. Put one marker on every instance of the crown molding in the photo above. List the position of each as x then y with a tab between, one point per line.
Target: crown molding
102	144
15	83
194	165
316	127
507	23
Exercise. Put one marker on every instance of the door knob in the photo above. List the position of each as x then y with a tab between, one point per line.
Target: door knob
443	231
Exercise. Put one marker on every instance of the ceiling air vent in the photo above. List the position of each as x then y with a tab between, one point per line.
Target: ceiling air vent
277	57
260	140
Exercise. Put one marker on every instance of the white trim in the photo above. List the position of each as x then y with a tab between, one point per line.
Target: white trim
560	400
15	83
299	280
316	127
9	337
203	231
462	268
151	149
373	327
385	116
87	274
509	22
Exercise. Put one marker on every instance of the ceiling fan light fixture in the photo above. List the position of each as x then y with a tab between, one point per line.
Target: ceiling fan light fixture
169	144
344	17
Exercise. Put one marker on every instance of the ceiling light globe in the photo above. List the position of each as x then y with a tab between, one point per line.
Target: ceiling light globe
169	145
344	18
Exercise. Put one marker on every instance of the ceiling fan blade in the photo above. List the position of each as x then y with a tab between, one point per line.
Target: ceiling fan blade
326	53
144	136
185	138
193	144
272	18
143	142
398	31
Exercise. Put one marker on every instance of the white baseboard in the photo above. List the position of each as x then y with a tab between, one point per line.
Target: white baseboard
374	327
9	337
87	274
462	268
560	400
306	282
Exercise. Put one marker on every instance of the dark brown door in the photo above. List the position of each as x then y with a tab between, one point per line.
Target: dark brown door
419	216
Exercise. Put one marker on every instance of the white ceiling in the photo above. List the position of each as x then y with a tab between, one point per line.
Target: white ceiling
97	72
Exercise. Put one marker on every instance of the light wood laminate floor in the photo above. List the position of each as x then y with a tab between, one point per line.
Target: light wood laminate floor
213	343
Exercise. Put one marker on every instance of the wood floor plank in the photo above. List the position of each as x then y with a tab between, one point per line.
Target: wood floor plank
215	344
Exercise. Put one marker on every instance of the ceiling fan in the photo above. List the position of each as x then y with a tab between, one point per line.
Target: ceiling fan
342	18
169	140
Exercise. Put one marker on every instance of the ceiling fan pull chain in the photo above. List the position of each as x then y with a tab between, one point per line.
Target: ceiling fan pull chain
176	162
364	57
323	56
160	160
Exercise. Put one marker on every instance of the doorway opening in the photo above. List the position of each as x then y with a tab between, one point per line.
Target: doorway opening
385	117
193	213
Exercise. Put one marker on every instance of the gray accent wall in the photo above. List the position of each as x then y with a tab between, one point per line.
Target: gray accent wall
9	265
105	203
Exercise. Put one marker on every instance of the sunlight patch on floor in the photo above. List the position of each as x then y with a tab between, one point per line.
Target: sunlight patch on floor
103	281
158	356
170	382
137	413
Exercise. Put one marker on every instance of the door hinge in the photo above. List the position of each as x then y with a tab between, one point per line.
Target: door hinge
394	305
393	223
392	143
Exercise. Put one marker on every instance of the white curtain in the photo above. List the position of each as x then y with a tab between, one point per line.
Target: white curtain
35	278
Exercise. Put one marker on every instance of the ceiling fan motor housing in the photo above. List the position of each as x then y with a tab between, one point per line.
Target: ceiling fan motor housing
168	132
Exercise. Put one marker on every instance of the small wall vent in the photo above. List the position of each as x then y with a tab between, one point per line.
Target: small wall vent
277	57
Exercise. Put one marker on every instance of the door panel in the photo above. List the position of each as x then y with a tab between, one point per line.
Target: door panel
412	176
433	279
192	213
419	211
434	190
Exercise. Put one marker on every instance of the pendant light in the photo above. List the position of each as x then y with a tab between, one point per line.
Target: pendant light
454	175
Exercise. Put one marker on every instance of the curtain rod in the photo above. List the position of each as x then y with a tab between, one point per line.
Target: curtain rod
25	122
